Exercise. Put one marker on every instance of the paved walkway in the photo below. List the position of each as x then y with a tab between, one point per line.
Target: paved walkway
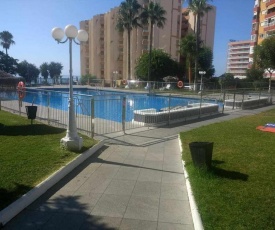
135	181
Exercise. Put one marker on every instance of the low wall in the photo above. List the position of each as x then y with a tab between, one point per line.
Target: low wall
248	103
152	116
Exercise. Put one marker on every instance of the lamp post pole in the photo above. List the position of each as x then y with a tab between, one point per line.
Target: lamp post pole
201	73
71	141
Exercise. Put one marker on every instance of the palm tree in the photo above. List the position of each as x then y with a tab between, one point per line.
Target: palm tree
198	8
188	50
6	40
152	14
128	16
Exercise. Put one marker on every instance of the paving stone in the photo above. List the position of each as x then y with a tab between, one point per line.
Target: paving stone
169	226
150	175
111	205
120	187
128	173
170	177
175	211
101	222
174	191
142	208
130	224
64	221
151	164
147	188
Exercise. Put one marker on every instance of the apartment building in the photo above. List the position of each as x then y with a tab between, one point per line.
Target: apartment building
238	58
263	23
105	54
207	28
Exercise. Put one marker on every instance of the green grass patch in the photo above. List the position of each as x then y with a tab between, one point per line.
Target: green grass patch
239	190
29	154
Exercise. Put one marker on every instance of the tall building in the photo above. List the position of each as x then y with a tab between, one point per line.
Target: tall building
207	31
207	28
263	23
105	54
238	58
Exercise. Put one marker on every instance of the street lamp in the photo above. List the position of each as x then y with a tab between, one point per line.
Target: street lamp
71	141
201	73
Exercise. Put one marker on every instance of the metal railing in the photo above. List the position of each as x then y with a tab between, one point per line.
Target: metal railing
108	113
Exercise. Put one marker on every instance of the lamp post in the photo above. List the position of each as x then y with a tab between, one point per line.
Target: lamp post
201	73
71	141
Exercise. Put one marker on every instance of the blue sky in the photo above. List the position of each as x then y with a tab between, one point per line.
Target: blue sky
31	22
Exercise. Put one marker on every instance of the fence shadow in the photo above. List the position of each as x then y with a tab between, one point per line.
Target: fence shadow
26	130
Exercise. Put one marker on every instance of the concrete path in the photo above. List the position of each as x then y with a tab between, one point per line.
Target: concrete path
135	181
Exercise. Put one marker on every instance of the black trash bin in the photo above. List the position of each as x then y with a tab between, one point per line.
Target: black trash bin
201	153
31	111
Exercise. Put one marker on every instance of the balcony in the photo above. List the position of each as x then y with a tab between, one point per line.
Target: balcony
235	62
239	52
144	42
254	32
257	8
270	14
270	26
243	67
145	33
239	47
269	2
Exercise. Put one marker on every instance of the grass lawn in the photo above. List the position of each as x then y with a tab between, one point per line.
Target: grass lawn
239	191
29	154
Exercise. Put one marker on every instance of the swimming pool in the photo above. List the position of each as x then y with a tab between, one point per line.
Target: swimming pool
107	104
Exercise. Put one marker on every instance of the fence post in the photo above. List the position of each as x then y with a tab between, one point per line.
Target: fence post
76	103
169	107
19	105
234	98
48	107
0	105
92	117
259	102
223	101
243	100
123	113
200	104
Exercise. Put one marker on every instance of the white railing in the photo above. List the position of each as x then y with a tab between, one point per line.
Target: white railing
105	114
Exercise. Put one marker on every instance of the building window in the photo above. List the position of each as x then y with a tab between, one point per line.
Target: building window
253	37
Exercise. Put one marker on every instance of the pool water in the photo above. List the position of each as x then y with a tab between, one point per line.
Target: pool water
107	104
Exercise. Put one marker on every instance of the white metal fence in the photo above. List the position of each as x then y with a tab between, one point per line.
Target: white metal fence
102	114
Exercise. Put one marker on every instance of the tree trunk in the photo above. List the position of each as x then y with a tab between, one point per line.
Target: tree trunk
150	51
197	50
190	72
129	56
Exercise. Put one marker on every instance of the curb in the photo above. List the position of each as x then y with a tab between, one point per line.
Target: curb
17	206
193	206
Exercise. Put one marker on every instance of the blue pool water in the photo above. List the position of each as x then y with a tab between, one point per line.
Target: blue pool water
108	104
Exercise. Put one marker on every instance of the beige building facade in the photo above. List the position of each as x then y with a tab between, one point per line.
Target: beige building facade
105	54
207	30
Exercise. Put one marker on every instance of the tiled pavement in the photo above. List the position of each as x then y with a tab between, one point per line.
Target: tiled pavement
119	187
135	181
